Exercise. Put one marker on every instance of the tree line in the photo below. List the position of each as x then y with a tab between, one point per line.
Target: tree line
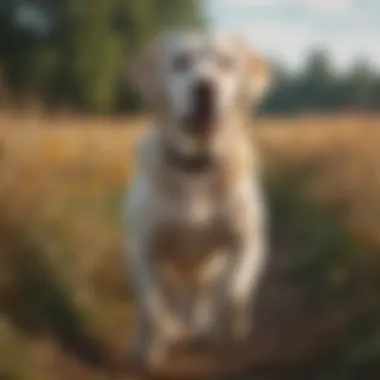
74	54
319	87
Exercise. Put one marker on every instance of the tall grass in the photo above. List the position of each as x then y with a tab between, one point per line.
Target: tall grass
64	297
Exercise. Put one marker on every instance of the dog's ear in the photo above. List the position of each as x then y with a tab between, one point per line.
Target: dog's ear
259	77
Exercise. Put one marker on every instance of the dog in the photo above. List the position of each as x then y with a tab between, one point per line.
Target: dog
196	214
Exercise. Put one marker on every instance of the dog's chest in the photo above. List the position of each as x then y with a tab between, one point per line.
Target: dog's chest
190	234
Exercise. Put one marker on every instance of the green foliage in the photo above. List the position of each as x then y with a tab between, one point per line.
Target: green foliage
319	87
75	53
323	247
78	52
325	256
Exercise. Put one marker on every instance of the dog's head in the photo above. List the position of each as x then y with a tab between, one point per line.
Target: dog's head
196	81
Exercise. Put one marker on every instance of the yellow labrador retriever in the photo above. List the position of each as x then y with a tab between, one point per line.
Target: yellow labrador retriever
195	211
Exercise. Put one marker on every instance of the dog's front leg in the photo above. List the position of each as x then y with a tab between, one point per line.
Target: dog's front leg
243	283
209	302
156	325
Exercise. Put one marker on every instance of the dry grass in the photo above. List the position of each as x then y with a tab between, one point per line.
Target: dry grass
62	183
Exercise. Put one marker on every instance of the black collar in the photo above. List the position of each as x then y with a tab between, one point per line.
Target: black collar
187	163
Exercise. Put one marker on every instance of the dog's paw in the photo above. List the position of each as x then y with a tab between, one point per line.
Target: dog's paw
241	326
157	355
150	355
138	352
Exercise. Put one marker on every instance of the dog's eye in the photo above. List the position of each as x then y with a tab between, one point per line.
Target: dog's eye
182	62
226	62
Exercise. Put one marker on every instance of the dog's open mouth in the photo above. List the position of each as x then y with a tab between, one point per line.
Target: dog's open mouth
203	117
201	122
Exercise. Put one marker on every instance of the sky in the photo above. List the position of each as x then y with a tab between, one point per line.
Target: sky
287	29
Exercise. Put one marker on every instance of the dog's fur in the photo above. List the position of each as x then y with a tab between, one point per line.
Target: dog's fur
197	234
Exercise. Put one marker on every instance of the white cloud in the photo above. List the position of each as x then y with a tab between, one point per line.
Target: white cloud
254	3
312	5
364	45
283	41
290	43
326	5
344	29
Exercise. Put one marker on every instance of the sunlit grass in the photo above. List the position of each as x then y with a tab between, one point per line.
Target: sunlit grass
62	182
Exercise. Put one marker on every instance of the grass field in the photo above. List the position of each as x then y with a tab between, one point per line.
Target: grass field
61	240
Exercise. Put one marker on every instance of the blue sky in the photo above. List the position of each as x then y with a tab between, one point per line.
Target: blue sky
287	29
